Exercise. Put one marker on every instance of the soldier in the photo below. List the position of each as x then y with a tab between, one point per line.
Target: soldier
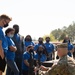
65	65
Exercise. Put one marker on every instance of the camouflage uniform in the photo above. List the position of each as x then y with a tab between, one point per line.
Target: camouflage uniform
65	66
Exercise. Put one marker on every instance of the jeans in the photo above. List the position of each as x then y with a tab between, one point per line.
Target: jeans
11	66
25	72
18	60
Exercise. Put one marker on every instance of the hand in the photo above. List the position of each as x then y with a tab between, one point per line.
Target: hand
36	69
43	68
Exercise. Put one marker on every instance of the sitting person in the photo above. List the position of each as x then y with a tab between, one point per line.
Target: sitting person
40	55
65	65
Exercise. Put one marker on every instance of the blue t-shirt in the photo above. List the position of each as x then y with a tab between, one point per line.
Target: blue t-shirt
4	41
26	56
49	47
36	46
17	37
70	47
42	59
27	43
10	54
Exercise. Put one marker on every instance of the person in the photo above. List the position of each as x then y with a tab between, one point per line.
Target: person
74	51
65	65
19	43
70	46
10	56
28	41
50	49
40	42
40	55
28	61
4	22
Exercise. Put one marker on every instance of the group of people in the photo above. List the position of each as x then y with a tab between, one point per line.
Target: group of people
22	55
15	50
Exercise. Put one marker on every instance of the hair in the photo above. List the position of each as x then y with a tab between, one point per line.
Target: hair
15	25
28	36
44	52
47	37
40	38
9	30
64	41
5	17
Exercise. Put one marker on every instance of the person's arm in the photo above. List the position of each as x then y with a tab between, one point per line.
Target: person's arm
72	49
25	57
1	50
53	53
11	45
26	62
59	69
13	48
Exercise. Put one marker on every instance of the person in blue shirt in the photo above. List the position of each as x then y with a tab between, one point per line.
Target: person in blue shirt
50	48
40	42
28	61
10	56
40	55
19	43
28	41
4	22
70	46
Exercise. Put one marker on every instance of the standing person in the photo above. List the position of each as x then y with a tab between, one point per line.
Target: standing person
28	61
40	42
11	65
70	46
28	41
50	48
4	22
19	42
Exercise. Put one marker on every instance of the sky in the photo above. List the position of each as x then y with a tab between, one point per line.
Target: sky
39	17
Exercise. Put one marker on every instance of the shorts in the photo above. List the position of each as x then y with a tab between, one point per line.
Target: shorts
2	64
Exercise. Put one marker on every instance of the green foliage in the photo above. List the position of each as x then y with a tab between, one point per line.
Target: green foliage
52	38
59	34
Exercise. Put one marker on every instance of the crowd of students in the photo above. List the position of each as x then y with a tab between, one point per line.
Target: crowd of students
20	53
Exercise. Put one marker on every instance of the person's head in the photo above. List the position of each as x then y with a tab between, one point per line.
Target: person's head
9	32
4	20
16	27
41	50
40	40
66	40
28	38
62	49
30	48
47	39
